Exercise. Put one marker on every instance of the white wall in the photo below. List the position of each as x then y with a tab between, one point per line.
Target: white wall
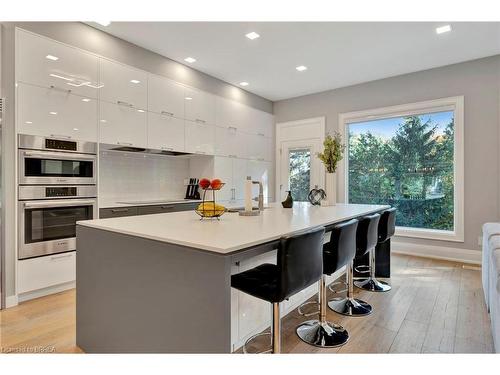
478	81
138	176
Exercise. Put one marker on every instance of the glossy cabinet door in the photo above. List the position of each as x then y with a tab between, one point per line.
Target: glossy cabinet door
122	84
239	177
223	169
56	113
165	132
200	138
260	147
165	97
199	106
230	142
122	125
44	62
230	114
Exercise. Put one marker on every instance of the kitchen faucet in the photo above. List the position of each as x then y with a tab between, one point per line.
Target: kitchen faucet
260	199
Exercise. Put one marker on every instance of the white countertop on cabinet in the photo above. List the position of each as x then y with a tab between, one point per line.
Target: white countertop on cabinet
232	232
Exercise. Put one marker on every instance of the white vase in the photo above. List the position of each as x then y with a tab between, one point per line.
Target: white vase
331	194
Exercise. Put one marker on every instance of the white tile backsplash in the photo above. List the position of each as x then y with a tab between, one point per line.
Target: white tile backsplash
138	176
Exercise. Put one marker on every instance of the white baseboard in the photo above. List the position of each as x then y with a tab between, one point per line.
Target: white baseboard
11	301
46	291
437	252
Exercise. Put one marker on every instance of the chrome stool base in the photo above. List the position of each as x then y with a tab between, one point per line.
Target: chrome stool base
324	335
373	285
350	307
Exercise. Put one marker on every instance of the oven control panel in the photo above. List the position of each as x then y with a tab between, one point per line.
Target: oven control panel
67	191
57	144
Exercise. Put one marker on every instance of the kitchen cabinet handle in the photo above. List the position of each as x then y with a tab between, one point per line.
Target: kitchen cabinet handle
200	152
119	210
167	207
260	159
60	89
60	136
167	148
125	143
120	102
232	128
261	134
200	121
167	113
232	156
61	256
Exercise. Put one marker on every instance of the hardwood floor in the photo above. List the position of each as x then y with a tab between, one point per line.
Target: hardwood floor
434	307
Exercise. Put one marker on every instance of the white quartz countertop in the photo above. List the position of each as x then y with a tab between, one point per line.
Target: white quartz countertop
112	203
232	232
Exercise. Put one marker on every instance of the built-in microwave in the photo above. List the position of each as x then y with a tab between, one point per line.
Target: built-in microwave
48	216
47	161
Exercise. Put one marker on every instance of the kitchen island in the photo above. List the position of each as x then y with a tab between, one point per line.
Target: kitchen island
161	283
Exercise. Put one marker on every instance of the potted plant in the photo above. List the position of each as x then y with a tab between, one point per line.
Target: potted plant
333	153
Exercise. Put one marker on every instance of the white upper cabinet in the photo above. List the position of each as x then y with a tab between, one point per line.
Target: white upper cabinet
165	96
165	132
124	85
53	112
230	114
44	62
122	125
230	142
260	147
199	106
259	122
200	138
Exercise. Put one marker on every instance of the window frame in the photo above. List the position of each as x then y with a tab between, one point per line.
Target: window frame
455	104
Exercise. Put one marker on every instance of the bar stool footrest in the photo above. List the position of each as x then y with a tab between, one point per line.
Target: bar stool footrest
302	313
270	350
333	285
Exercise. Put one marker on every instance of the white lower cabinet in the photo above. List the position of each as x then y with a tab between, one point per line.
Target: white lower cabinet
57	113
47	271
122	125
232	172
200	138
165	132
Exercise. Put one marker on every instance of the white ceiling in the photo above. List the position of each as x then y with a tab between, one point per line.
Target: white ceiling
337	54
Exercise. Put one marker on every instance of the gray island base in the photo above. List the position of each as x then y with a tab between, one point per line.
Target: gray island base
161	283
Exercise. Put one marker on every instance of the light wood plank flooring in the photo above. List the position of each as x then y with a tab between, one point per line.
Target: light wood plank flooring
434	307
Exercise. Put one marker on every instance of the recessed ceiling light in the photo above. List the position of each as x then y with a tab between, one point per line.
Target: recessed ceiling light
188	98
53	113
103	23
52	57
253	35
443	29
29	122
244	83
190	60
76	129
301	68
135	81
85	100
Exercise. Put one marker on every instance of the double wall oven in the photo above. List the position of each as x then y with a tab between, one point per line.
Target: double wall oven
57	188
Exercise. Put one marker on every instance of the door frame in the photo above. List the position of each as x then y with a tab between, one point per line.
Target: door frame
320	132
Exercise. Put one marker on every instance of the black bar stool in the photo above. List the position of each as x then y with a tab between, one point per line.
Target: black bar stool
340	252
321	332
386	229
299	265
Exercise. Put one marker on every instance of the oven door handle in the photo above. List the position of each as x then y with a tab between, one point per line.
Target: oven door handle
56	155
49	204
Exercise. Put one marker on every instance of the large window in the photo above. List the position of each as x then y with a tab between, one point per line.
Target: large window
408	159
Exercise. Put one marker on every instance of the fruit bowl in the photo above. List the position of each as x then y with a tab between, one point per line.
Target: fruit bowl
210	210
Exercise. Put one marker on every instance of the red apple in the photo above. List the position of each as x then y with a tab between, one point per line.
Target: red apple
216	184
204	183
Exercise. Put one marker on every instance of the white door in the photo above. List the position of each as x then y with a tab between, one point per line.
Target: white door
298	169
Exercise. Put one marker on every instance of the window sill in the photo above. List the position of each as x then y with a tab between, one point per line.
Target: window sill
430	234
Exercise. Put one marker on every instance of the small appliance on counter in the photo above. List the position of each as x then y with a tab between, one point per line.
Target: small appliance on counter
192	189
